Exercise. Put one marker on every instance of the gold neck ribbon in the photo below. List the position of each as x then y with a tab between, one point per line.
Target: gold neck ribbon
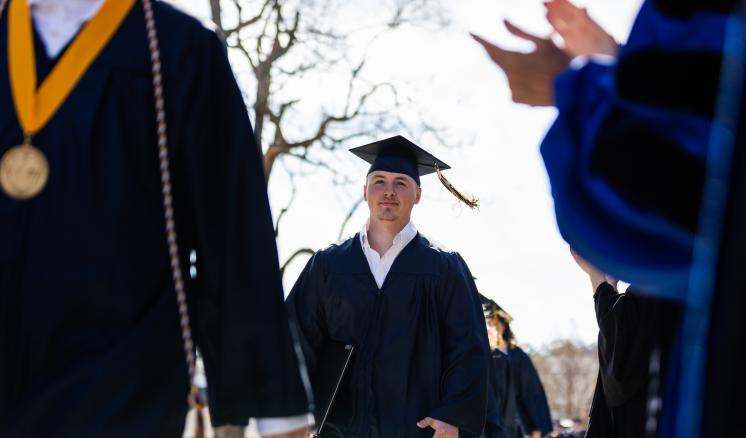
34	109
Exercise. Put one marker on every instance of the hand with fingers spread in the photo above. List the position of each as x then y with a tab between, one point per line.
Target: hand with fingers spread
530	75
442	429
581	34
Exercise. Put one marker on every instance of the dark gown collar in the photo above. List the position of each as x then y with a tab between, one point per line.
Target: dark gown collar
415	258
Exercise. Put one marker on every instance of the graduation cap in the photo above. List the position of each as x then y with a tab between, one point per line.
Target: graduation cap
492	309
399	155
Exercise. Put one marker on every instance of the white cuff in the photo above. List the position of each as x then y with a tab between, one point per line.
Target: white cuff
277	425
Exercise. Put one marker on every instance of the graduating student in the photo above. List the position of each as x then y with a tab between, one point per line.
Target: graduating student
408	306
108	133
502	412
518	390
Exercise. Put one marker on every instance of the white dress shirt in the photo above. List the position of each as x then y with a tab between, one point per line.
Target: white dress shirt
57	22
380	266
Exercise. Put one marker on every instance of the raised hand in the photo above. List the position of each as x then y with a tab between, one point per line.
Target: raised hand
530	75
581	34
442	429
594	274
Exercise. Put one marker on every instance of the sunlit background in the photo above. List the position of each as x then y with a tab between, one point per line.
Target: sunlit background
454	102
511	243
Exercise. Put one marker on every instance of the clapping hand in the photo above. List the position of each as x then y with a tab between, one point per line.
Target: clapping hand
581	34
530	75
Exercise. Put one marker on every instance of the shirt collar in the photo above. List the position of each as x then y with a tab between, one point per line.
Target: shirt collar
405	235
64	3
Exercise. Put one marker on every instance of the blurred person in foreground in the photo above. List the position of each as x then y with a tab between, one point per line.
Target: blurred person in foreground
132	163
643	148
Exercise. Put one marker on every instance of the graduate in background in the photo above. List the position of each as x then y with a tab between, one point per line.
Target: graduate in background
408	306
502	412
137	121
518	392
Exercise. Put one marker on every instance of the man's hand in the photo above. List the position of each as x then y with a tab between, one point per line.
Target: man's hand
303	432
596	276
530	75
536	434
582	35
441	428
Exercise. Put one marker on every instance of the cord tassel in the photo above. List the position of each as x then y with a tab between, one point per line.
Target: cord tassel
199	431
199	412
470	201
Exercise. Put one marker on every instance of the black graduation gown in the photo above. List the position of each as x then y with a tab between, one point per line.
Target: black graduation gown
502	412
89	332
630	327
421	343
531	401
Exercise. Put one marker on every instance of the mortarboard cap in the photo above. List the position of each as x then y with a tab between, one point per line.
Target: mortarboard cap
492	309
398	154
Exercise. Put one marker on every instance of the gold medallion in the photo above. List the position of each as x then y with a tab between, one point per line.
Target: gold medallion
24	171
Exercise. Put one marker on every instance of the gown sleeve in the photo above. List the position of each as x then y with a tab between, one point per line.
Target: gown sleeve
307	312
236	299
622	356
533	409
465	352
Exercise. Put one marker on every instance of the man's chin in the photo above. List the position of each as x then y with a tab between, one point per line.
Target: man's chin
387	217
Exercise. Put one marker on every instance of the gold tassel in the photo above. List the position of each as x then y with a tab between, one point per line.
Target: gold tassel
199	406
470	202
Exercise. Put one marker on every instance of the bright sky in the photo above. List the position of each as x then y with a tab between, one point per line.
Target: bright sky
511	244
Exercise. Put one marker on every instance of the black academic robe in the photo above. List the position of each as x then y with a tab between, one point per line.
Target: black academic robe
421	343
90	343
630	327
502	411
531	401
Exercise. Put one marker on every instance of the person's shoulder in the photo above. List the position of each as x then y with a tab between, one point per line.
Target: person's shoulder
518	353
430	246
169	14
175	24
337	251
438	253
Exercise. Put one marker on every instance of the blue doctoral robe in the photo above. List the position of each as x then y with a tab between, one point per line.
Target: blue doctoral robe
90	343
626	155
421	342
626	159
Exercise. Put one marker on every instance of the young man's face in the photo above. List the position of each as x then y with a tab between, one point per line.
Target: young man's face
391	196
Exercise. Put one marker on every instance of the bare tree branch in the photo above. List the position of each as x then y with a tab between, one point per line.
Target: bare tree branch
286	42
216	15
286	208
350	213
248	22
293	256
